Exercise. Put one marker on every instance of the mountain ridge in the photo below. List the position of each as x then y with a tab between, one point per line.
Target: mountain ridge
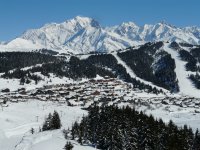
84	35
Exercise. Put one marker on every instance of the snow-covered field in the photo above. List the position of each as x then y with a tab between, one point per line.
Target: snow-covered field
17	119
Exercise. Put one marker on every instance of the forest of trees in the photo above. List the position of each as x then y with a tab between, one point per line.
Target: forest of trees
192	58
195	52
174	45
191	61
14	60
113	128
74	69
160	72
195	79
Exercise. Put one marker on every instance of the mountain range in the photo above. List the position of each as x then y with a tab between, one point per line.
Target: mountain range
84	35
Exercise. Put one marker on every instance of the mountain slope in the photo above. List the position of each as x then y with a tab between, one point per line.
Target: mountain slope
84	35
132	74
185	85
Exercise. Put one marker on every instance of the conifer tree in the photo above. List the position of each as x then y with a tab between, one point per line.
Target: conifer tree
196	145
47	124
55	122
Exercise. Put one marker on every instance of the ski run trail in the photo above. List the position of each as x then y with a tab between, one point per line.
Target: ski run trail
184	82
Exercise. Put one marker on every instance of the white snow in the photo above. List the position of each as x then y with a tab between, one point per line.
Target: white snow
17	120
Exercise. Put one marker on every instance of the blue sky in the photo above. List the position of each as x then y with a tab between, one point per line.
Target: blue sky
16	16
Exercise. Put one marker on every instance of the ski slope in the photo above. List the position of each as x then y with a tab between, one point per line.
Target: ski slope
133	75
185	85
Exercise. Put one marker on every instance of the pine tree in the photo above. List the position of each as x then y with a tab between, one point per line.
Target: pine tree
48	123
196	145
68	146
74	131
22	81
55	122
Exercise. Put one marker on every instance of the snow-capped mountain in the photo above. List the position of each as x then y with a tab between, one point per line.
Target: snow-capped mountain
83	35
194	30
158	32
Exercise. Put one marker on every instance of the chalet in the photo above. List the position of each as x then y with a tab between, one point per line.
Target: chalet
62	100
22	100
23	92
64	93
50	92
5	90
96	93
92	81
14	100
96	98
43	98
106	77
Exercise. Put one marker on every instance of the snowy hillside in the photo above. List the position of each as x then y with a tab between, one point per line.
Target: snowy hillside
131	73
18	119
185	85
83	35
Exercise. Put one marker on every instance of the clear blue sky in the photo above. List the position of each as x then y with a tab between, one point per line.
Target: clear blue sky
16	16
